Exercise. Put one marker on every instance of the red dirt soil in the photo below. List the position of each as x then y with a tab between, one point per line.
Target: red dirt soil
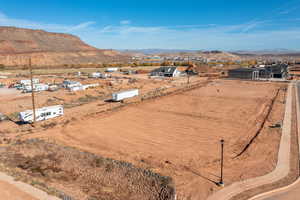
178	135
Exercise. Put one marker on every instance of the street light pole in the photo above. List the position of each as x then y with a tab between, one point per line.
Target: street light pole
221	183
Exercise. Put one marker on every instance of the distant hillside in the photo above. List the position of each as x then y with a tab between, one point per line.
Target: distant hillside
45	48
215	54
158	51
268	52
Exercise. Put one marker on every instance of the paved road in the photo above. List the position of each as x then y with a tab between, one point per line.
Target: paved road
291	192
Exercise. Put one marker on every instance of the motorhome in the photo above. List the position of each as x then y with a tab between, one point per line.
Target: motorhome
44	113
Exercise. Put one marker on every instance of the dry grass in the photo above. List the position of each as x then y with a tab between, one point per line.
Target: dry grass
84	175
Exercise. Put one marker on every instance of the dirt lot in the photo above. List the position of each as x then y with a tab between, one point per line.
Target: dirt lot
178	135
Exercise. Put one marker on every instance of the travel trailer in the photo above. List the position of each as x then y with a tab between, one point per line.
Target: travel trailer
95	75
28	82
36	87
119	96
112	69
69	84
42	113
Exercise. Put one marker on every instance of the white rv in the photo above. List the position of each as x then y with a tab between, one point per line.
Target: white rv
42	113
83	87
76	88
69	84
95	75
119	96
28	82
112	69
36	88
90	86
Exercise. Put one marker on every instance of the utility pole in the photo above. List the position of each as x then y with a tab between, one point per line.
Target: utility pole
32	91
221	183
188	75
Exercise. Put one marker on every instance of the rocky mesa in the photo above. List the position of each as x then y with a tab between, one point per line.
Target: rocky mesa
17	45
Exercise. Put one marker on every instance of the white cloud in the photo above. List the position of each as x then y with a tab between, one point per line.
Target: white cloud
250	35
81	26
125	22
7	21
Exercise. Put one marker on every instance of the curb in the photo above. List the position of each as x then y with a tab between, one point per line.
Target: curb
283	164
28	189
282	189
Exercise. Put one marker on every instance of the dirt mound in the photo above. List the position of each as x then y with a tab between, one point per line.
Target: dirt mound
84	175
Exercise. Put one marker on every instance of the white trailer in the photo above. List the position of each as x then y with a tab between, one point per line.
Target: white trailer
90	85
83	87
42	113
104	76
119	96
112	69
28	82
69	84
95	75
76	88
36	88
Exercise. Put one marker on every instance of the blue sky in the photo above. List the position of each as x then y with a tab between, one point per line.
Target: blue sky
168	24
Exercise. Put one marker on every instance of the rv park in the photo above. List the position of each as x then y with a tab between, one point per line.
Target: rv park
167	120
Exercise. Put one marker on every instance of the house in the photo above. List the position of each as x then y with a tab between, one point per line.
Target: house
277	70
166	72
248	73
270	71
294	71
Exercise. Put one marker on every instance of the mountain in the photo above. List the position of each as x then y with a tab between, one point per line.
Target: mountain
45	48
158	51
274	52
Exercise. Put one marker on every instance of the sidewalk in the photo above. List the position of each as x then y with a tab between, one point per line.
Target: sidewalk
15	190
283	164
292	191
